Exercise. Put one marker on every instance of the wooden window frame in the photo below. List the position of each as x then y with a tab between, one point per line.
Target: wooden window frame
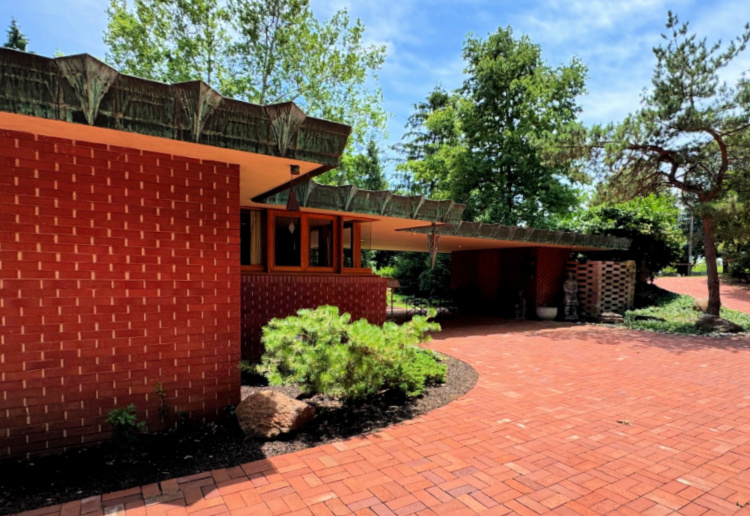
336	239
338	268
304	242
356	268
264	241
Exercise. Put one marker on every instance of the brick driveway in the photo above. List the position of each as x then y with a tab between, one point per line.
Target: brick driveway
571	419
735	297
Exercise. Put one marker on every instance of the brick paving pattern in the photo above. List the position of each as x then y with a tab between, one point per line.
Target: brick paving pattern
569	419
736	297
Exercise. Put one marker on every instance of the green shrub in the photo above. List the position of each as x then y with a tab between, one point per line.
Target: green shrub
125	427
386	272
324	352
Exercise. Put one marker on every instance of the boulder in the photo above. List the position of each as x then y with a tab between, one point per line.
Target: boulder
710	323
267	414
700	304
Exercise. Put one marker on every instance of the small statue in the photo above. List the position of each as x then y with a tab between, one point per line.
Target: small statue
570	287
520	306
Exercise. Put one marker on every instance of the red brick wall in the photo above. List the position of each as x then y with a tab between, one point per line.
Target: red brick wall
487	281
118	269
550	275
265	296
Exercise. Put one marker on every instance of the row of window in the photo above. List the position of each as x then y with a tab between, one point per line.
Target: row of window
284	241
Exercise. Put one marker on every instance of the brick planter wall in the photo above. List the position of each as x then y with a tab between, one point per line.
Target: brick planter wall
118	269
265	296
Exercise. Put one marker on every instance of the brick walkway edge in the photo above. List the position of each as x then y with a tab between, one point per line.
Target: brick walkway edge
570	419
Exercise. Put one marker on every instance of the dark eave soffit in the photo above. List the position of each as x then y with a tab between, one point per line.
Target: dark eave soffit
528	235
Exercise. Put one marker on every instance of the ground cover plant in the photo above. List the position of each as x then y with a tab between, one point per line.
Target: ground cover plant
663	311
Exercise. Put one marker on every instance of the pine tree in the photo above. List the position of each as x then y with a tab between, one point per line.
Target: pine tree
16	39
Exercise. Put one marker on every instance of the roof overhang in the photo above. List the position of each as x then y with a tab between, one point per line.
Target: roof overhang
395	222
83	90
526	236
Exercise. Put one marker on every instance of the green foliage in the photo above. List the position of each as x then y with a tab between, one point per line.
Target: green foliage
515	102
262	51
125	427
650	222
361	170
16	39
432	146
732	215
388	271
687	134
484	145
417	278
163	403
678	312
326	353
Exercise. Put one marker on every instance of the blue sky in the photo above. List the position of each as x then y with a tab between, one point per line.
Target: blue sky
424	39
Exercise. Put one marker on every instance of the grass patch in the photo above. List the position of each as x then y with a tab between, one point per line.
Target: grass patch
678	312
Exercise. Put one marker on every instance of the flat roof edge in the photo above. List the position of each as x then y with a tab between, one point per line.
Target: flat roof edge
82	89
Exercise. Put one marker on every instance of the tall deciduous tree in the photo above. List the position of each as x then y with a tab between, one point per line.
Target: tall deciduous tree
514	100
683	136
263	51
16	39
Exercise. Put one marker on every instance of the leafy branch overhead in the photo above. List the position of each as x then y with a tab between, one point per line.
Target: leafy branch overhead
262	51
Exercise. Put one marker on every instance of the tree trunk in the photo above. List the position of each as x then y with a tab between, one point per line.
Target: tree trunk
714	299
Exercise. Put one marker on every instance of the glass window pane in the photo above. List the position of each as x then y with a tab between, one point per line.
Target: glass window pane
321	243
287	248
251	237
347	240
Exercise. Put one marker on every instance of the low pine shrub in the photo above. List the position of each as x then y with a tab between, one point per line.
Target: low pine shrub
324	352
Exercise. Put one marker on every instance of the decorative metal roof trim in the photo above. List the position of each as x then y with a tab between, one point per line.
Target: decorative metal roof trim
385	203
527	235
81	89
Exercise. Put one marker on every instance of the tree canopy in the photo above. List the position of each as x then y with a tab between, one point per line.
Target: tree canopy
482	145
652	223
515	99
687	134
432	147
262	51
362	170
16	39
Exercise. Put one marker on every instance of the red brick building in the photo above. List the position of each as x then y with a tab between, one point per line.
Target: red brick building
140	245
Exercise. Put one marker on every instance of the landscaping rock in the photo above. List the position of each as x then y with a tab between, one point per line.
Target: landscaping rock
713	324
611	318
267	414
700	304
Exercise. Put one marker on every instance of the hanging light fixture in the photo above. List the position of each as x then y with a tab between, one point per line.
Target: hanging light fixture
291	203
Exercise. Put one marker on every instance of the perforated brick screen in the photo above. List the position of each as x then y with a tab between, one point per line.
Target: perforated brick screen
604	286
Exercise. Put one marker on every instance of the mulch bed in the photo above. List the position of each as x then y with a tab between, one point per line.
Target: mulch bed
194	447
